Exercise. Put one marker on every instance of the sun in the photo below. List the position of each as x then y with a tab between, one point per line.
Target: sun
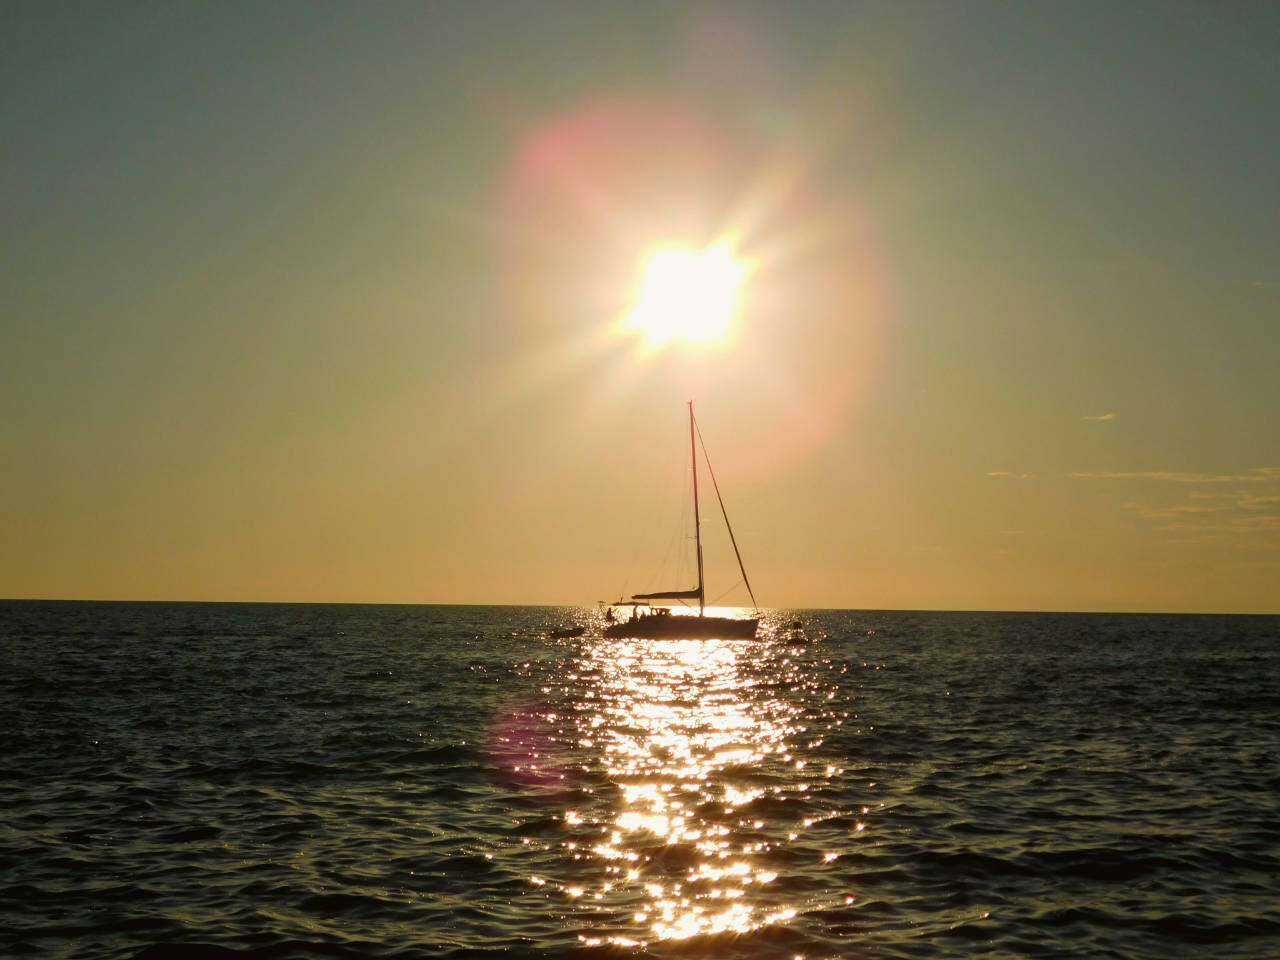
687	295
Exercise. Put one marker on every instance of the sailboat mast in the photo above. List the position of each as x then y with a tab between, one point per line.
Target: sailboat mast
697	520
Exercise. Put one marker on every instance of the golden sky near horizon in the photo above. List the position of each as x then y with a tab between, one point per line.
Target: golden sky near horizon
332	304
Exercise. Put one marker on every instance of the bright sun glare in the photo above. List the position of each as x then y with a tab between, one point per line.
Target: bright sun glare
686	294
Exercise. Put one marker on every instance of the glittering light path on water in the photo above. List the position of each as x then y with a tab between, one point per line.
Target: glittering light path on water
703	760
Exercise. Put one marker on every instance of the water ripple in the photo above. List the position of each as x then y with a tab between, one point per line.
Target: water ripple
304	781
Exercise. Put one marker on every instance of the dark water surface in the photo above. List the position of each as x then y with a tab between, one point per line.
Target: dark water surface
348	781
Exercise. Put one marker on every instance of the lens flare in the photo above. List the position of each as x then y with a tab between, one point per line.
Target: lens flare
687	295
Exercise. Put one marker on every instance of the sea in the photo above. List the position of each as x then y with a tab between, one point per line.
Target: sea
331	781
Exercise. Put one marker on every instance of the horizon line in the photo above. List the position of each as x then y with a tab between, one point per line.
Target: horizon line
581	606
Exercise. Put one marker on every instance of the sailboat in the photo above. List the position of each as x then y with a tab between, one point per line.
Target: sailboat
649	621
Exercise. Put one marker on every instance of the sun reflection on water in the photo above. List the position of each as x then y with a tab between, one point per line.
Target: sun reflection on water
688	749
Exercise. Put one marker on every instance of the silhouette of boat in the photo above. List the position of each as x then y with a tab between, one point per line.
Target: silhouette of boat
649	621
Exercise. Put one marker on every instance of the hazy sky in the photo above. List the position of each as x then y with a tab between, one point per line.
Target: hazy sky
318	301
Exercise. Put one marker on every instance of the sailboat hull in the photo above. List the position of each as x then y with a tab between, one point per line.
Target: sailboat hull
683	628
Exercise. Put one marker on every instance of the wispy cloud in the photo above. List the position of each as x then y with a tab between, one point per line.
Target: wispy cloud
1100	417
1259	522
1223	524
1172	476
1010	475
1248	502
1235	515
1181	510
1165	475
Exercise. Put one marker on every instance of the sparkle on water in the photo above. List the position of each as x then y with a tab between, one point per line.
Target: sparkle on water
687	751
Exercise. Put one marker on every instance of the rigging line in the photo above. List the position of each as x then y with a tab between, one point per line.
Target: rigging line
724	593
724	513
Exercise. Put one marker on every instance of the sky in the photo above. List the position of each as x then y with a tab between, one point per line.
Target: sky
320	302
